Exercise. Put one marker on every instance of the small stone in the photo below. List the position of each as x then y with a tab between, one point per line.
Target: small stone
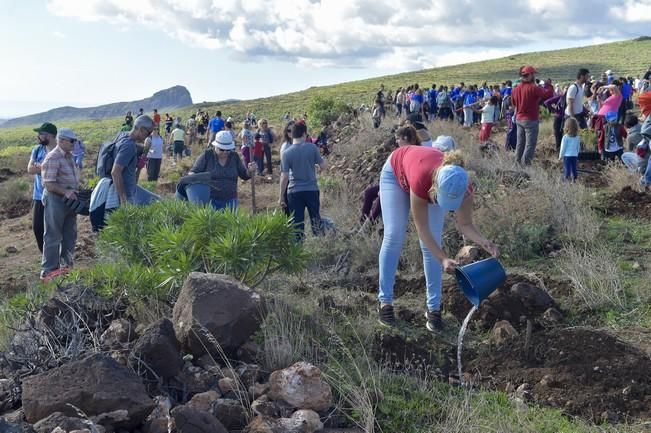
608	416
627	390
502	332
11	249
548	380
635	266
204	400
227	384
552	316
524	392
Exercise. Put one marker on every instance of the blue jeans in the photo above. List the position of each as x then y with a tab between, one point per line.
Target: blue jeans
297	202
223	204
395	214
569	167
142	197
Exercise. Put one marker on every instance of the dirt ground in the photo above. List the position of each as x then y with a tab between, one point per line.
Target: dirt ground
581	371
630	203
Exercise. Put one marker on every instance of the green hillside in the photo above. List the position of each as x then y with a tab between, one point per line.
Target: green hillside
624	58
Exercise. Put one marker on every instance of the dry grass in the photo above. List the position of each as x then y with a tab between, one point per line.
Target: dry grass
619	177
595	276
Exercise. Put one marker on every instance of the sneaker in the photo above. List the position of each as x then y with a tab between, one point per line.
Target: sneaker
434	322
387	318
46	278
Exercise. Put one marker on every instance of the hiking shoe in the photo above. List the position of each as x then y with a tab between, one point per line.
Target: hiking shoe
46	278
387	318
434	322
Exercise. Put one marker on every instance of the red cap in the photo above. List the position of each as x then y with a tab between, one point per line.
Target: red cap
526	70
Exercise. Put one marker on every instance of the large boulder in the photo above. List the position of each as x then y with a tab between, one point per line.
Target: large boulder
189	420
215	307
301	386
96	385
158	351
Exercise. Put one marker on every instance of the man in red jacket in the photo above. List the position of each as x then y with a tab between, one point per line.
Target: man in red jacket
526	98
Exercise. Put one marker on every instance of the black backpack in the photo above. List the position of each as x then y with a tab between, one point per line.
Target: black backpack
106	157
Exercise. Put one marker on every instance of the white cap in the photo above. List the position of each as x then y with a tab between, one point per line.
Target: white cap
66	133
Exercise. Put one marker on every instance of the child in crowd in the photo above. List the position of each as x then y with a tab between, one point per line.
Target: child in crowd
611	138
570	146
258	153
633	131
487	119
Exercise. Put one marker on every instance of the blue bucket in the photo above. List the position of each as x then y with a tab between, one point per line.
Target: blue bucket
198	193
480	279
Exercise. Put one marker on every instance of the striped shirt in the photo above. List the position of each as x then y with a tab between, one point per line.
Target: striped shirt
59	167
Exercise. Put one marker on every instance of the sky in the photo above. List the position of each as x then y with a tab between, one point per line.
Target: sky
93	52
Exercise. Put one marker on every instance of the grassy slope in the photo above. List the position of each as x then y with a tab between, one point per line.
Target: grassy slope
624	58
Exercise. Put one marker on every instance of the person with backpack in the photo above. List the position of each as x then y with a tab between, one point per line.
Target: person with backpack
128	120
178	143
215	125
46	143
61	184
574	97
116	167
526	98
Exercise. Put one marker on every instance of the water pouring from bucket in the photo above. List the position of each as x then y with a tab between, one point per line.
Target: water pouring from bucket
477	281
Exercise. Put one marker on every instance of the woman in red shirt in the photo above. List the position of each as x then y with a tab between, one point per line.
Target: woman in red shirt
428	183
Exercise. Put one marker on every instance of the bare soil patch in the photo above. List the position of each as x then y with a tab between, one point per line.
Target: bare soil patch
631	203
581	371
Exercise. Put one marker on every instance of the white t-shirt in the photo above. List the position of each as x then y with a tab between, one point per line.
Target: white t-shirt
576	93
155	147
488	114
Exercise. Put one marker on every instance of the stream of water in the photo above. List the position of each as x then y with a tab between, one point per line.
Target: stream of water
462	332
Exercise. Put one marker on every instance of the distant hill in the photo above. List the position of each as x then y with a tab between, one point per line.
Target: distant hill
174	97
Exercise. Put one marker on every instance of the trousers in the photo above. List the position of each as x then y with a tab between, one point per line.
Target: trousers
395	215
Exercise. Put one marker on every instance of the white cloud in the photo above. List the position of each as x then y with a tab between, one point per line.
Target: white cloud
59	35
402	34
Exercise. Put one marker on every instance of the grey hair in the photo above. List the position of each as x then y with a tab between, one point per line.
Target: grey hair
143	121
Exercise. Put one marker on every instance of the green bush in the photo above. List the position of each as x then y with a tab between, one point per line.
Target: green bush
176	238
324	110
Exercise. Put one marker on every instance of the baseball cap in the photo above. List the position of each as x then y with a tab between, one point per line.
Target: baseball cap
47	127
609	72
224	141
452	183
66	133
444	143
611	116
417	120
528	69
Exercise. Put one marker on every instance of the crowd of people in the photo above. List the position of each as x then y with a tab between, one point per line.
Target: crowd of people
424	176
603	104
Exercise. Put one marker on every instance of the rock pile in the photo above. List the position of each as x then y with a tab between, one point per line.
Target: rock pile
176	375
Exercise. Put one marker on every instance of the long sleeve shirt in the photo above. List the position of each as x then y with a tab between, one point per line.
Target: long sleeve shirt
526	98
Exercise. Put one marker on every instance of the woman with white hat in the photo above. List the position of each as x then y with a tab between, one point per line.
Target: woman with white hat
224	166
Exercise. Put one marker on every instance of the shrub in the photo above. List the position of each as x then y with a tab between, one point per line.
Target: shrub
177	238
324	110
14	197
